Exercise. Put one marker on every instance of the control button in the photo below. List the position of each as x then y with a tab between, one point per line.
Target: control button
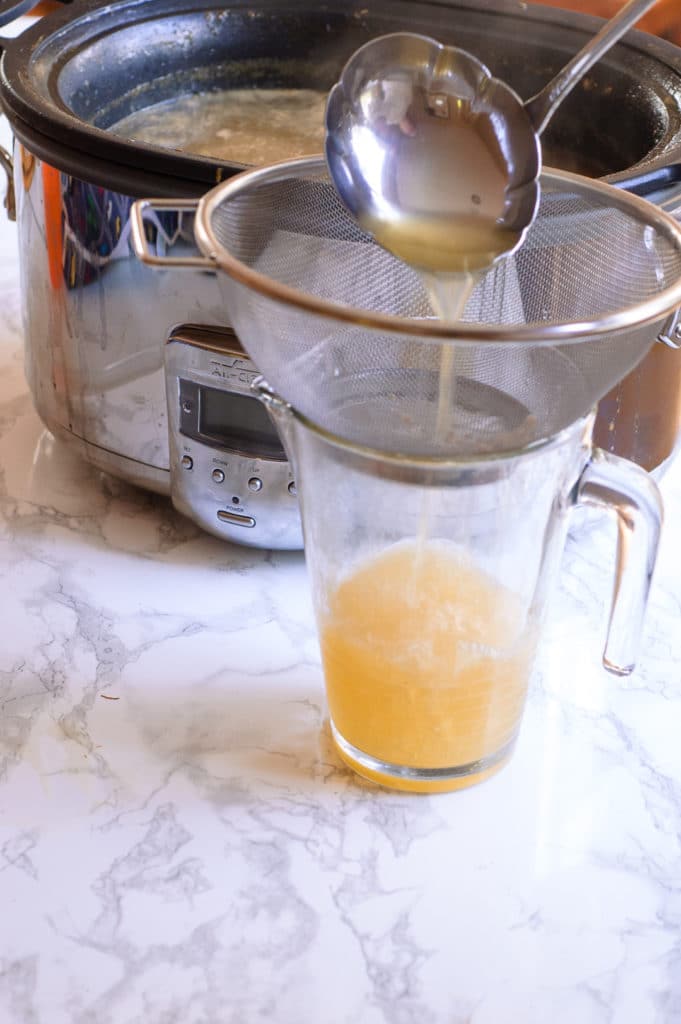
187	462
187	405
234	519
292	489
218	476
255	484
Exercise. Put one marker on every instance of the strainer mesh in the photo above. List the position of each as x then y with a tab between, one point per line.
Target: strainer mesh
587	256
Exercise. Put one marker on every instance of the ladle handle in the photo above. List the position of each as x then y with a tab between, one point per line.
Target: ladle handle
542	107
612	483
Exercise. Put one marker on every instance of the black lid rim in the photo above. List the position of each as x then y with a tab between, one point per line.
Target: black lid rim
135	182
25	106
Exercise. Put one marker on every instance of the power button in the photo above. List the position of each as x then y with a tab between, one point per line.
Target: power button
234	519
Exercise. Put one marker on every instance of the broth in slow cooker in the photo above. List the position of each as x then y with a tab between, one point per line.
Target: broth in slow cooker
260	126
243	126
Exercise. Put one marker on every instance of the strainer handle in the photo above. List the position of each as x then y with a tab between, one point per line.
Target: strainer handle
612	483
144	210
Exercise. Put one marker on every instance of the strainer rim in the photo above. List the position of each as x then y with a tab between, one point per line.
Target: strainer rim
442	464
640	314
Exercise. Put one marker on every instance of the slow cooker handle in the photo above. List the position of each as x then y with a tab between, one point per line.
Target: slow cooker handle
644	185
145	211
10	202
13	9
653	179
670	335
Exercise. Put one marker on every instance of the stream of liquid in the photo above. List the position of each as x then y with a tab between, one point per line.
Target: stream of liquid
448	294
426	655
451	256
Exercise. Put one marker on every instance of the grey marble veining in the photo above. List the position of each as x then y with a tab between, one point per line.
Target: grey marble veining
180	843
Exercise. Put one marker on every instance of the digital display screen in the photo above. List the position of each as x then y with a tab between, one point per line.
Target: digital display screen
238	422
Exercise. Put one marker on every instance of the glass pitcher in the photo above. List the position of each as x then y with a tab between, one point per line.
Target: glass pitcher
429	581
437	460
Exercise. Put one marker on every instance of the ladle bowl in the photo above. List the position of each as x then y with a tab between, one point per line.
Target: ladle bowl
435	156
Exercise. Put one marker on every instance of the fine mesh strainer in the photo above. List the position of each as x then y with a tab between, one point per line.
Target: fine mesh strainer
344	331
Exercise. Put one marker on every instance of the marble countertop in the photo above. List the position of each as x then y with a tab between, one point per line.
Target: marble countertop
180	843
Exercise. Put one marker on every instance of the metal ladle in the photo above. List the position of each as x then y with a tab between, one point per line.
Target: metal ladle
435	156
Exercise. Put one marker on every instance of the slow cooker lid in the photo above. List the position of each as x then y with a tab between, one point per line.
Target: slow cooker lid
81	69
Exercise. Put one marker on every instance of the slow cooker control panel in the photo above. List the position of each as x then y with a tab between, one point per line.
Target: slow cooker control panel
228	468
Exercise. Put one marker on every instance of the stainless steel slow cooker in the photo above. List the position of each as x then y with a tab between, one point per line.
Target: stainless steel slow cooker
119	359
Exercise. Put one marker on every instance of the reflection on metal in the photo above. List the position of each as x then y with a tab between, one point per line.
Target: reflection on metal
96	320
27	163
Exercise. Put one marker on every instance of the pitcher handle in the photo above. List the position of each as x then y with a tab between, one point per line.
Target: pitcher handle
612	483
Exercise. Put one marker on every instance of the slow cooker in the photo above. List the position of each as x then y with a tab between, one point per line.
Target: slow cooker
126	363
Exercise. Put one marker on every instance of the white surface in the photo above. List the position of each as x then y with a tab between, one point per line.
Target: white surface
192	851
